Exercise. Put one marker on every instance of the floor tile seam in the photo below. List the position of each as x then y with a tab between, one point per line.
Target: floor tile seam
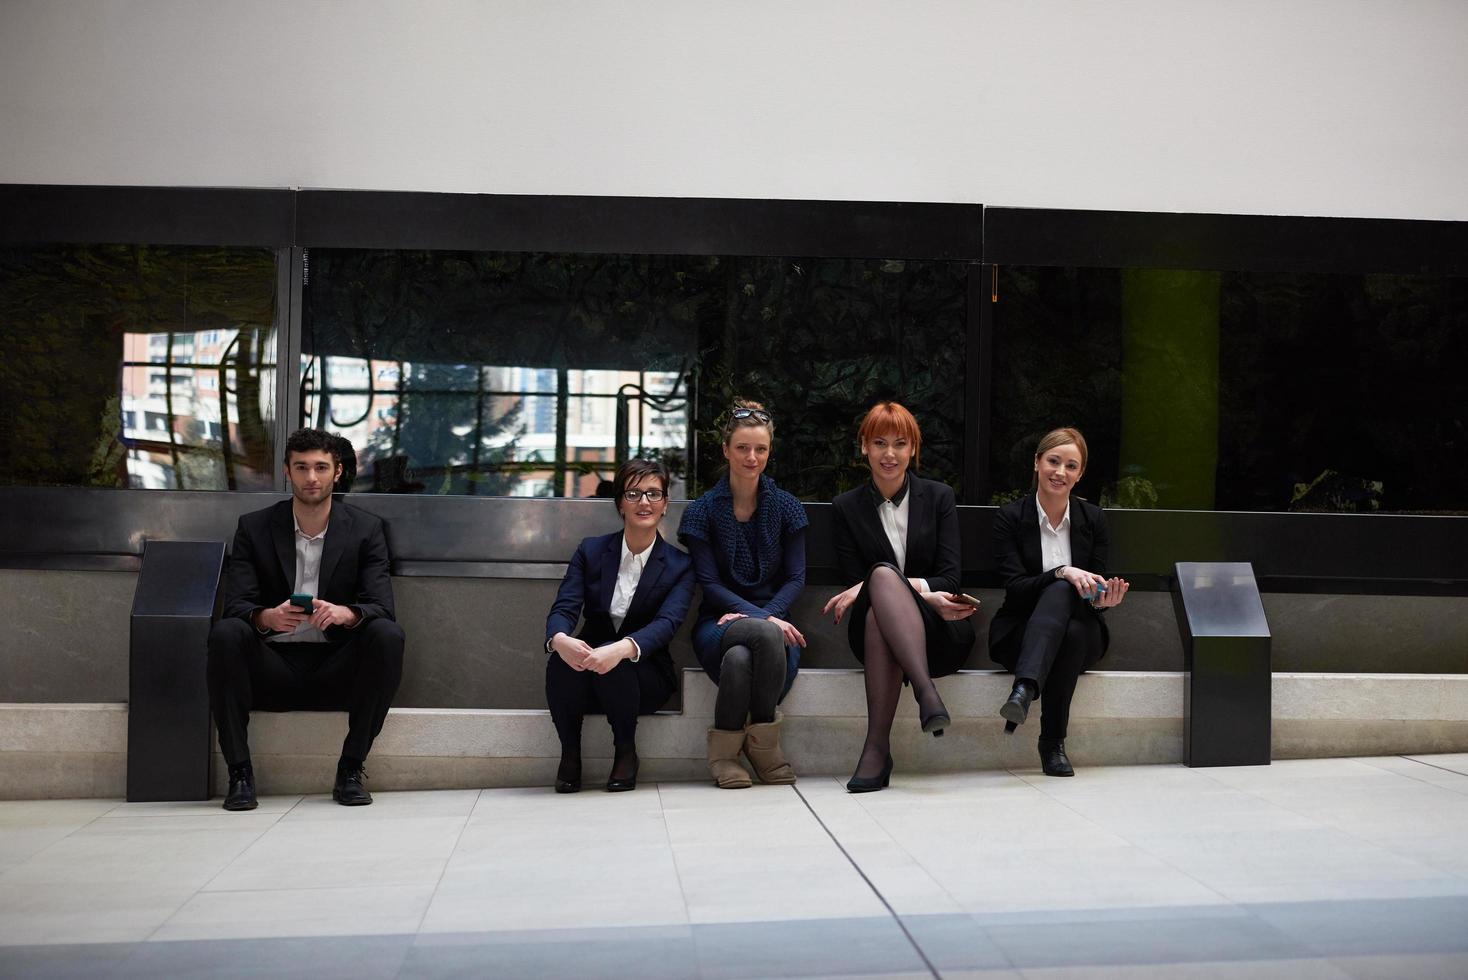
1433	765
917	862
1224	899
912	940
66	836
199	890
673	854
443	871
1356	836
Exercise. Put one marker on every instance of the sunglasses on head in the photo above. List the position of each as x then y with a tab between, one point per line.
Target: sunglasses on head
758	414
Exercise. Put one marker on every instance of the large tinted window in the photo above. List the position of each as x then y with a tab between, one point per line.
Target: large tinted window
137	366
535	374
1237	390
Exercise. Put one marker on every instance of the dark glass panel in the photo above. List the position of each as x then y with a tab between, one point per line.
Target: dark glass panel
1237	390
137	366
499	373
510	373
818	341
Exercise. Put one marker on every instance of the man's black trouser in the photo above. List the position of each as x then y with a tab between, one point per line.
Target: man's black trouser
358	676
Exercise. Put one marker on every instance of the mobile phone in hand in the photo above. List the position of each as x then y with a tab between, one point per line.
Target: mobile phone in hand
302	601
964	598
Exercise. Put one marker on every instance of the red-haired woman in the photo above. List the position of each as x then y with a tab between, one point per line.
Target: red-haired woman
897	536
1051	550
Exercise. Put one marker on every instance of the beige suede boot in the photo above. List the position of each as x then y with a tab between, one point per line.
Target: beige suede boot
762	746
724	759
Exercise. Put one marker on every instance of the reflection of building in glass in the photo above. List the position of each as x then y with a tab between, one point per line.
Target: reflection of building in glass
176	406
495	430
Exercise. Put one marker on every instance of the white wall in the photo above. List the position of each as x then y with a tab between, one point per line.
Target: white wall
1344	107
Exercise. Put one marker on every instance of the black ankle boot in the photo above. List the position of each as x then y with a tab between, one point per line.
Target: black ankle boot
1053	759
1017	708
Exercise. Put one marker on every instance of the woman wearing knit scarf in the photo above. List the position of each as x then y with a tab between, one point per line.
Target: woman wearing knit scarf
747	540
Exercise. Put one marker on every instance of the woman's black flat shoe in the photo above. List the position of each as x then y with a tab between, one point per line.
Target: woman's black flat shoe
870	784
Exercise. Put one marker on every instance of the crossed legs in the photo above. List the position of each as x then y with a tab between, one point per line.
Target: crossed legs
895	645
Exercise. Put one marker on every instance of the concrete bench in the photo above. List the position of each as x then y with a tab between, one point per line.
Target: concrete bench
1117	718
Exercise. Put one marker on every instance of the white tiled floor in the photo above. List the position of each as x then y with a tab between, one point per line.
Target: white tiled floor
1312	868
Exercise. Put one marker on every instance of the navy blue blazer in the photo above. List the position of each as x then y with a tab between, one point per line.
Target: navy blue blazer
658	606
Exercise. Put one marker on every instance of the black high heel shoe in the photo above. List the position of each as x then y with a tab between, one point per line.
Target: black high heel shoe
568	774
621	784
870	784
936	720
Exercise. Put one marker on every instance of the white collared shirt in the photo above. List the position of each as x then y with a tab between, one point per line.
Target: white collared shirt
894	522
308	581
629	574
1054	541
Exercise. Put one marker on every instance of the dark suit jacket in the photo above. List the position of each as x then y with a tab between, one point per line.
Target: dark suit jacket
1017	553
354	564
663	595
932	540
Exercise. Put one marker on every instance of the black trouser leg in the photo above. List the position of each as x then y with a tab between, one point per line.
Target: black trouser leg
242	670
620	696
568	695
1079	650
363	675
1045	632
766	645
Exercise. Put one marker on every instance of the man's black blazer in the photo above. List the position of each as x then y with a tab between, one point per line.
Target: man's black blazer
355	564
1017	553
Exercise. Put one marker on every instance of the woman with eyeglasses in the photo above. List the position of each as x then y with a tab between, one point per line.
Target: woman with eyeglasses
1051	549
747	540
897	538
634	590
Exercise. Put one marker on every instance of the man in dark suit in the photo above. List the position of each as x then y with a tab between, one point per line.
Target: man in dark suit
341	650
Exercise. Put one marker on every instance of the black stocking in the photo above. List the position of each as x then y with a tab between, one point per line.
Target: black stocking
896	644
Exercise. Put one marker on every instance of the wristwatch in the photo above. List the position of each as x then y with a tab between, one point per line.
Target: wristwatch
1058	570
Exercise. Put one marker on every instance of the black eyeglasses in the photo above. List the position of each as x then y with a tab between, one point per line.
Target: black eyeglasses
758	414
632	496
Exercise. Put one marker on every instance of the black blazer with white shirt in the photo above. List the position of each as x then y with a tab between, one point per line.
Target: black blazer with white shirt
355	565
664	592
1018	554
932	547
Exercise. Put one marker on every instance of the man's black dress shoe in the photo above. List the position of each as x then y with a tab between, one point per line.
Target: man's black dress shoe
624	772
1053	759
1017	708
568	774
349	790
241	795
870	784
